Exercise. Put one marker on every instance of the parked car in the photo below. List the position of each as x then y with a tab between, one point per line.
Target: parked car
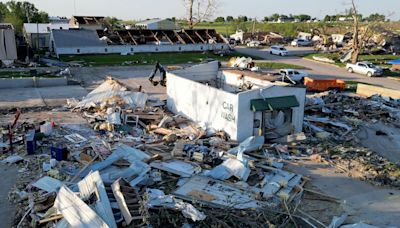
365	68
301	42
278	50
292	75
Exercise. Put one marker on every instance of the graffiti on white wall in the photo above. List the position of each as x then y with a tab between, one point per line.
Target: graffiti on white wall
227	112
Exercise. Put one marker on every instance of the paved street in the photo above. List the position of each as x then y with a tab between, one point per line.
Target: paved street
319	70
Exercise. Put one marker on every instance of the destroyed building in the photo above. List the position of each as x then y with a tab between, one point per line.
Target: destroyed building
158	24
8	47
242	103
87	22
125	42
37	35
264	37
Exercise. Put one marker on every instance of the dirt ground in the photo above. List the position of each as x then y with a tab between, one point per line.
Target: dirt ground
386	143
362	201
7	181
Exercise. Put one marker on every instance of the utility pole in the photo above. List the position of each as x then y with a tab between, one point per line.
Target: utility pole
254	26
27	46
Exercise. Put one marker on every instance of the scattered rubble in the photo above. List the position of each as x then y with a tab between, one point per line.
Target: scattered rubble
136	164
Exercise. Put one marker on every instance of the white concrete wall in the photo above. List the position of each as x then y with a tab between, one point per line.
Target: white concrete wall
117	49
206	105
200	72
221	109
232	81
32	82
246	116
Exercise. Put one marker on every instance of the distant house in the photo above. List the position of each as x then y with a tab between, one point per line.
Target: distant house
72	42
285	19
158	24
58	20
37	35
344	19
8	47
304	36
87	22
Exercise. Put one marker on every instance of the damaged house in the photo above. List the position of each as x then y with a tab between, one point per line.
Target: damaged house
263	37
125	42
87	22
158	24
37	35
242	103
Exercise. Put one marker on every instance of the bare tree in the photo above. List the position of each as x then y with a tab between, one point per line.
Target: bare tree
199	10
357	43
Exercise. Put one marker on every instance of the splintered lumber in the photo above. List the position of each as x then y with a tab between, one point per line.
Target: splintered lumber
128	201
163	131
284	193
56	217
279	180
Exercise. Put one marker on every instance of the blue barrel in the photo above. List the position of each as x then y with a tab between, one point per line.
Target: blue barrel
59	153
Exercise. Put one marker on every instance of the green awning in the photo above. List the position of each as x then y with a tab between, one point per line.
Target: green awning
274	103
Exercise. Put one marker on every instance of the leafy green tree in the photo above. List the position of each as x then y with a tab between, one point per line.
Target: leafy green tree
242	19
3	11
220	19
230	19
327	18
18	13
274	17
266	19
303	17
376	17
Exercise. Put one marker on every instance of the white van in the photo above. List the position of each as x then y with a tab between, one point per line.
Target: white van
278	50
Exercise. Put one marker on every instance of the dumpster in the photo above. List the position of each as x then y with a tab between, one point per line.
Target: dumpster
321	85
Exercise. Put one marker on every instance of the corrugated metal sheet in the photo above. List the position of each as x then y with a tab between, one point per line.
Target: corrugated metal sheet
76	212
94	184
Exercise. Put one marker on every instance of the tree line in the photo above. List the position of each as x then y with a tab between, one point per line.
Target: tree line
18	13
375	17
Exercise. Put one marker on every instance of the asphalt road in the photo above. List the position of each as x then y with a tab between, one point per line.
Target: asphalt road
319	70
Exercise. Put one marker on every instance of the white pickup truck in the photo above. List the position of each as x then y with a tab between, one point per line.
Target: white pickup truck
294	76
365	68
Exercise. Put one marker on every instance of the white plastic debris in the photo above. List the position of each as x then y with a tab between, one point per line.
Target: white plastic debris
250	144
157	198
46	129
230	167
12	159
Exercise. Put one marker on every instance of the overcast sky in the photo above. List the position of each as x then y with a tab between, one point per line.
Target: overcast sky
143	9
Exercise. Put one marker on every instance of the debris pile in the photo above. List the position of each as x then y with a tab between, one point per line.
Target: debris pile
336	124
135	164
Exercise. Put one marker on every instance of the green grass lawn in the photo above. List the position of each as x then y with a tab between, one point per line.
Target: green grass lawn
22	74
275	65
147	59
380	60
14	74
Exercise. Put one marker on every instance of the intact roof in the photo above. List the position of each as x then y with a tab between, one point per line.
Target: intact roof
43	27
76	38
151	21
